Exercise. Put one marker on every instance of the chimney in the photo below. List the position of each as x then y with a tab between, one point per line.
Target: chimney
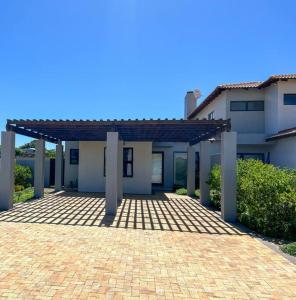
190	102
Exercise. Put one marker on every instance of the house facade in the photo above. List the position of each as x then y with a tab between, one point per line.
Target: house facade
262	113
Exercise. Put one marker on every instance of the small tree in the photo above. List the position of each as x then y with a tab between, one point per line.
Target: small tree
22	176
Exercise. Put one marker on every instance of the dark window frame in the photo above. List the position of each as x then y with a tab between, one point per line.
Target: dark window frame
246	104
162	175
126	162
123	162
240	155
211	115
71	158
289	104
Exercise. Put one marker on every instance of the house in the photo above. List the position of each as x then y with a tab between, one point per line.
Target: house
262	113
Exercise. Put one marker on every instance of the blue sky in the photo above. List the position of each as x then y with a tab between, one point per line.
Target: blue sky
134	58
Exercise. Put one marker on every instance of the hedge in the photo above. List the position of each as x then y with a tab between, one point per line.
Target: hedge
266	197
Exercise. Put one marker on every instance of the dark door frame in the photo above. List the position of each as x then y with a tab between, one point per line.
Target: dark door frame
162	167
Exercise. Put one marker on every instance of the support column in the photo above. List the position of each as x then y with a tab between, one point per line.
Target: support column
39	169
7	164
190	171
58	167
228	173
120	171
204	172
112	178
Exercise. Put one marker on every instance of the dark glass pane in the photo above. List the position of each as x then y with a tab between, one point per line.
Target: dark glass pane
127	154
157	170
74	156
255	105
238	105
290	99
127	169
180	169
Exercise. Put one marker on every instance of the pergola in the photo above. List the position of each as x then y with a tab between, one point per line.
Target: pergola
115	132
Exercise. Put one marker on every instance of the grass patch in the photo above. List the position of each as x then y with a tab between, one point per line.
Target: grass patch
23	195
289	248
183	191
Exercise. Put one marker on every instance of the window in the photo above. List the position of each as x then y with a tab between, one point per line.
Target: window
211	116
255	105
247	105
258	156
157	167
128	164
180	169
74	156
289	99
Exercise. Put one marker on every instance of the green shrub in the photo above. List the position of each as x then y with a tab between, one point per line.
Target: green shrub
266	197
183	191
22	176
289	248
18	188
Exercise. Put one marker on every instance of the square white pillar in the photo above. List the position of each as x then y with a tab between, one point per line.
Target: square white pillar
7	165
204	172
190	171
59	167
120	171
228	173
39	168
112	169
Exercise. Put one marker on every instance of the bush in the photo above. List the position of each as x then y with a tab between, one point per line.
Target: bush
18	188
289	249
22	176
183	191
266	197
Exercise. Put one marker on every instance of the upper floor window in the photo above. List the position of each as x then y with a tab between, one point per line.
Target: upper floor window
289	99
247	105
74	156
211	116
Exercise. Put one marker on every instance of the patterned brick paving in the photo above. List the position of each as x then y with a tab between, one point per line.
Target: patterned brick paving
162	248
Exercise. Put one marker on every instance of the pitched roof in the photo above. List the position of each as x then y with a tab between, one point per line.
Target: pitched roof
282	134
241	85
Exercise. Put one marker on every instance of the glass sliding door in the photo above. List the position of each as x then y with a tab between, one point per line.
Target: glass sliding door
180	169
157	168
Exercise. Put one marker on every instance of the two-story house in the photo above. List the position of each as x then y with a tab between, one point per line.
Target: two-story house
262	113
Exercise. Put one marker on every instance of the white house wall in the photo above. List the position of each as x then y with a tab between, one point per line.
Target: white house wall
218	106
283	153
71	171
287	113
91	168
246	121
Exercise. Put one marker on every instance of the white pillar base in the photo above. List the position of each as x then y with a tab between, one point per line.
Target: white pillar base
59	168
204	172
112	169
228	173
7	165
191	171
39	169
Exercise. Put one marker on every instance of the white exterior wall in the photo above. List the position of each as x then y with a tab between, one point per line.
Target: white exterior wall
287	113
283	153
271	109
246	121
218	106
91	168
71	171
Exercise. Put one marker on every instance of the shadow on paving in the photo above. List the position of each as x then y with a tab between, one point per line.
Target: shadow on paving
155	212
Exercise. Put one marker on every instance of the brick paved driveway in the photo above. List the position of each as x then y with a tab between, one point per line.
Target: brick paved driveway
170	247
